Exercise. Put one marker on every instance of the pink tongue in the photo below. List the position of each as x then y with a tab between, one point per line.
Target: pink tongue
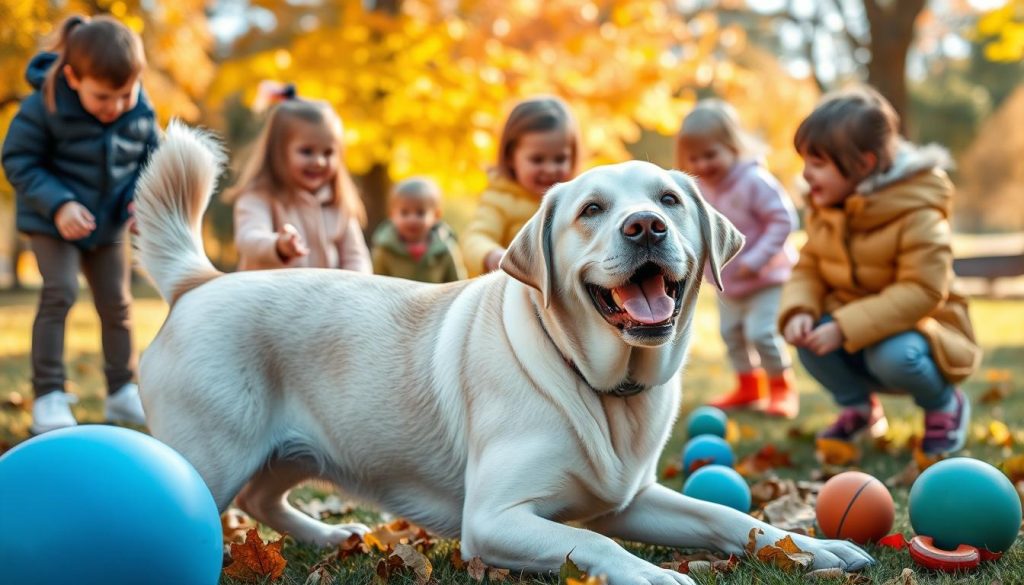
647	302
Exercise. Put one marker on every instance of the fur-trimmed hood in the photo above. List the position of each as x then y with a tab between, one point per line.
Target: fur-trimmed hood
916	180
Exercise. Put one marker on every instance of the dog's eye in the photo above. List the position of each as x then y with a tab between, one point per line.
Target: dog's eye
591	210
669	199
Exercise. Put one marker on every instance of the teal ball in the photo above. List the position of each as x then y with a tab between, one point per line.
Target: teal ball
708	449
719	484
965	501
706	420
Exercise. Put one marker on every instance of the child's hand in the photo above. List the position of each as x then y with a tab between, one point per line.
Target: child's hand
133	225
289	243
74	221
825	338
493	258
797	328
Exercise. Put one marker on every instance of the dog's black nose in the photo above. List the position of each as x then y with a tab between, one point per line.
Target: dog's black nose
644	228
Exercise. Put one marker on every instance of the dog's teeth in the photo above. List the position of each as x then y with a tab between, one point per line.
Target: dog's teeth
616	298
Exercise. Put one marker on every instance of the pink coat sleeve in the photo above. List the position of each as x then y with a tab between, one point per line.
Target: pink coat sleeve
773	210
255	236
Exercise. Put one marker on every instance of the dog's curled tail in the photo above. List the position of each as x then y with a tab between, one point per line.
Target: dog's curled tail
170	199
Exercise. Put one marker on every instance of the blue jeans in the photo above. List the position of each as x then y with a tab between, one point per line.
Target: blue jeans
901	364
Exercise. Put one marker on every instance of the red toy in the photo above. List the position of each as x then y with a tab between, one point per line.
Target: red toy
926	554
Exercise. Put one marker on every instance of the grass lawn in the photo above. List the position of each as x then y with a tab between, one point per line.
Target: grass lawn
998	325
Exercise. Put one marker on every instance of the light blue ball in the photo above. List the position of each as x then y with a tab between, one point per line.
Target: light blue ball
102	504
706	420
721	485
965	501
708	447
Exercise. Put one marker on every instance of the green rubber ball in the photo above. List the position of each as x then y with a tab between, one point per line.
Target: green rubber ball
706	420
965	501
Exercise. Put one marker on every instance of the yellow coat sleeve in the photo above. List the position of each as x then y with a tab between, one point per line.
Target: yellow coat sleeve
921	285
485	232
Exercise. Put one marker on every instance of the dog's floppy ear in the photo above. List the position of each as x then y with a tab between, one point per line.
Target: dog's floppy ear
722	240
528	258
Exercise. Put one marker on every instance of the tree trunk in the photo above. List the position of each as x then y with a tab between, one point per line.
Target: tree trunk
892	32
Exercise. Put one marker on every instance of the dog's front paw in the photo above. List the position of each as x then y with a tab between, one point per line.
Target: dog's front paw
640	573
834	553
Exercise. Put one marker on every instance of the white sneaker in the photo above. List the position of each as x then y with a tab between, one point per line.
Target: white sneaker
52	411
125	406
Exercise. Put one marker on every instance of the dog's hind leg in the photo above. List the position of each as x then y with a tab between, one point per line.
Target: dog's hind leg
265	498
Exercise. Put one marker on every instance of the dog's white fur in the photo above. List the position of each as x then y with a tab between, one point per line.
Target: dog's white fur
455	405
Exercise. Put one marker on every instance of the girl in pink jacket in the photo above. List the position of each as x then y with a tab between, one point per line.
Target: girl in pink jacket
295	203
712	146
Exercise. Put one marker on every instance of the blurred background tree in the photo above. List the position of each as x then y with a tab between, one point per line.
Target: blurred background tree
423	87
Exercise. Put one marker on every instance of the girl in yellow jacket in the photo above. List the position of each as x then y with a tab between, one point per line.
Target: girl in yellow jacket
538	148
869	305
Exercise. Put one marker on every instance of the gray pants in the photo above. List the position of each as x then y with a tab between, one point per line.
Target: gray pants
749	331
107	272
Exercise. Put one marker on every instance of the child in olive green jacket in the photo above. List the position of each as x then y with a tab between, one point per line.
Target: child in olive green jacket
413	243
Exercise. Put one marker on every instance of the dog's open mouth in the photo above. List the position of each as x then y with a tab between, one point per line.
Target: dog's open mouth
648	301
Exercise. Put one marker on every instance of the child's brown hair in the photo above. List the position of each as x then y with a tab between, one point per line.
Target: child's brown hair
539	114
100	47
848	124
419	188
716	120
266	167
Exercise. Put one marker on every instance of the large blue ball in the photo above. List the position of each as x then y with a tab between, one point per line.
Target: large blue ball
721	485
706	420
965	501
707	447
101	504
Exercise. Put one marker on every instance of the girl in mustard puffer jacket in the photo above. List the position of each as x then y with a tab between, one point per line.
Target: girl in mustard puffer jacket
869	305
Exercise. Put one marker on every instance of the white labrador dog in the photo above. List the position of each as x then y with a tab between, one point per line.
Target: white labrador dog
494	410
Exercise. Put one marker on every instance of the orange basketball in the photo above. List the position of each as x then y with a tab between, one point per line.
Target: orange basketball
855	506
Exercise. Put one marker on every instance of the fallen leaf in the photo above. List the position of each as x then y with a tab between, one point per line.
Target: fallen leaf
786	555
414	560
1013	467
996	393
764	459
388	566
925	461
896	541
569	570
353	545
672	470
384	537
770	489
320	574
752	540
477	569
907	577
599	580
495	574
999	434
254	559
791	513
836	452
456	560
698	463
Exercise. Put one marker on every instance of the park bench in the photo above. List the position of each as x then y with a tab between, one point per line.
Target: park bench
989	268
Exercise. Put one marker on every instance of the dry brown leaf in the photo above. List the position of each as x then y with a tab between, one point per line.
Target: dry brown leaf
836	452
598	580
997	391
318	508
907	577
1013	467
476	569
790	512
770	489
255	559
494	574
352	546
414	560
388	566
924	461
764	459
752	540
384	537
320	574
456	560
786	555
999	434
671	471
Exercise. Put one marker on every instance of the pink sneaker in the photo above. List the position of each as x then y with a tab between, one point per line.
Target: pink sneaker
946	432
852	424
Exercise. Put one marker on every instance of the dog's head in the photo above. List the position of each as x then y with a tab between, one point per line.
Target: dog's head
620	251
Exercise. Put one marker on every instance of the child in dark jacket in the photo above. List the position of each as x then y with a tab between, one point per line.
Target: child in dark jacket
414	243
73	154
